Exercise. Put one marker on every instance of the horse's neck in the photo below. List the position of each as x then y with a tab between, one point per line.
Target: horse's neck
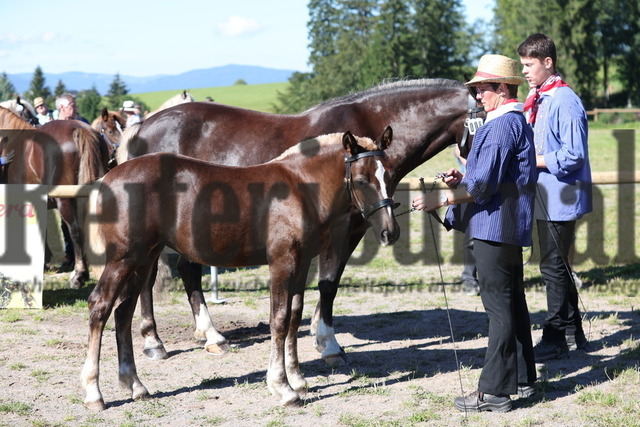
433	128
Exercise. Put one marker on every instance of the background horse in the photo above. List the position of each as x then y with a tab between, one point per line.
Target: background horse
280	213
178	99
111	125
23	109
61	152
426	115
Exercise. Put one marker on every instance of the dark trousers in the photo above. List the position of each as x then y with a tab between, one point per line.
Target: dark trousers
469	271
563	314
509	359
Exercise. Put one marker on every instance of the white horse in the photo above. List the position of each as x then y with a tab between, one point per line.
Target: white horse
180	98
23	109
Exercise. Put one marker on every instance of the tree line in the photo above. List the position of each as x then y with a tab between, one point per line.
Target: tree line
354	44
89	101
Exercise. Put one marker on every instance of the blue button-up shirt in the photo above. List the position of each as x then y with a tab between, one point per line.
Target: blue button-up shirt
560	134
501	178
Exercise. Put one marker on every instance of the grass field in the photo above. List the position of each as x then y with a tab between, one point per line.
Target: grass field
260	97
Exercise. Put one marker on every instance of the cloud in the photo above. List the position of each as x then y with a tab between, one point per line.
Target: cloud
237	26
12	38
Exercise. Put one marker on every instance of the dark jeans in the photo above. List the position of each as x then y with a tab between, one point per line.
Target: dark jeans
563	317
509	359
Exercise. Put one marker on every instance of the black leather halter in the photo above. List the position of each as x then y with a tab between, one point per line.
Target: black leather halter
471	125
366	211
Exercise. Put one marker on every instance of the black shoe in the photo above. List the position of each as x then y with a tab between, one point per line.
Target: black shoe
479	401
526	390
577	342
471	288
547	350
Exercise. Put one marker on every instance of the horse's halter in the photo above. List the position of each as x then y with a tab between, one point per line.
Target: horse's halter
471	125
366	211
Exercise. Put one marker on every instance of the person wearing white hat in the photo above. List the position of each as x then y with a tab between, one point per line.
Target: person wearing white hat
560	130
131	112
42	111
499	186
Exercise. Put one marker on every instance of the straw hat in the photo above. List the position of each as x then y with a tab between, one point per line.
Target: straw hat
38	102
497	69
128	106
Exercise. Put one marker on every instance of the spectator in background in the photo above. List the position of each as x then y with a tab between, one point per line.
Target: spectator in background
67	108
131	112
44	115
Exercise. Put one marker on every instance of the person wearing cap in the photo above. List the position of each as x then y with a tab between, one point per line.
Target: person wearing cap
42	111
560	130
131	112
499	184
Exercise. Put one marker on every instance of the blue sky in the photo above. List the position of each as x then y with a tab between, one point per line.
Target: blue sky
143	37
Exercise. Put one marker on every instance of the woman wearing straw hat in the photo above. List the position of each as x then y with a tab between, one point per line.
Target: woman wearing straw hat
500	184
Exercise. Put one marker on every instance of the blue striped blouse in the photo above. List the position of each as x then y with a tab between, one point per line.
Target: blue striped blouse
501	178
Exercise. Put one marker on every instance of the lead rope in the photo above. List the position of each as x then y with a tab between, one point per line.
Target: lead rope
444	290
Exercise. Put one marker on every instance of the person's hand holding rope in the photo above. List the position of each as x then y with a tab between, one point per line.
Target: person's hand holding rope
432	200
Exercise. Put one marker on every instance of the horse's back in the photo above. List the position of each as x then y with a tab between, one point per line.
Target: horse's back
219	133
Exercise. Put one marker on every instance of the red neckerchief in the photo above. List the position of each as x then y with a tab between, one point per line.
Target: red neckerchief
535	94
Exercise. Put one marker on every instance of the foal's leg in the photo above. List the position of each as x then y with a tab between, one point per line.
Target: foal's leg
69	214
101	302
292	363
332	263
153	346
282	282
191	274
123	316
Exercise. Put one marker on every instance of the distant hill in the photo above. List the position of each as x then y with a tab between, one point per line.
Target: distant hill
225	75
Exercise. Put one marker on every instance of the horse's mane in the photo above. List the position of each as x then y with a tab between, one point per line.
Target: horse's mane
10	120
390	88
310	146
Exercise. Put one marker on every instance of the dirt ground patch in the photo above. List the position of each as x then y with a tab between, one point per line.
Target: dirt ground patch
401	370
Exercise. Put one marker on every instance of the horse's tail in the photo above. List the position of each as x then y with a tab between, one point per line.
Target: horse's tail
129	134
91	167
95	248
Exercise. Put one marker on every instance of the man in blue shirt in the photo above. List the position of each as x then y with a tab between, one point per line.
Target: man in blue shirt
559	123
500	184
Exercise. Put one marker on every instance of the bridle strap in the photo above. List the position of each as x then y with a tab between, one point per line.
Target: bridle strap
471	124
368	210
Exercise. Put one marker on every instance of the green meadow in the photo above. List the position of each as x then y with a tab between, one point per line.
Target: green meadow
260	97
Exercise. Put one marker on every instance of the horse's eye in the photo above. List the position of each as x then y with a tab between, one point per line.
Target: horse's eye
361	182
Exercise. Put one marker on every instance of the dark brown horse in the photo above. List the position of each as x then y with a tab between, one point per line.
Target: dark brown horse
61	152
281	213
426	116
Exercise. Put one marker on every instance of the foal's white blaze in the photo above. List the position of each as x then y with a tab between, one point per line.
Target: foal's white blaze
380	177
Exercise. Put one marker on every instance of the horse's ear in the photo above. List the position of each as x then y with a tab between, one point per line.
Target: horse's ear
105	114
384	140
349	143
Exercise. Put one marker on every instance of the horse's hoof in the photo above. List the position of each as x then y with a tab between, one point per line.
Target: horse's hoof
217	349
77	281
97	405
339	359
140	394
157	353
291	400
